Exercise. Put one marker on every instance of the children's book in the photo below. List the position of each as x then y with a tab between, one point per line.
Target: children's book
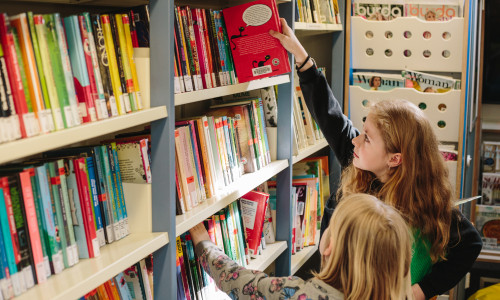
377	81
428	83
256	54
253	210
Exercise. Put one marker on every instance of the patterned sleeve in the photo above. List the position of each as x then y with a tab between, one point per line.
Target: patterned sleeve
241	283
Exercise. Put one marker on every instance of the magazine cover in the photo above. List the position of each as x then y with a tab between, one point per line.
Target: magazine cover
428	83
256	54
488	225
378	11
377	81
432	12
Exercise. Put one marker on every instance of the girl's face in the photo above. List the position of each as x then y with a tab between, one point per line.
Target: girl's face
376	81
369	150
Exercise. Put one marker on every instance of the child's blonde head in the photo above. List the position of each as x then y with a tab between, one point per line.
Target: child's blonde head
419	187
370	250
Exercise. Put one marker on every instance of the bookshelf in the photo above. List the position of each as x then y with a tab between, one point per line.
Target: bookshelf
300	258
268	256
310	150
317	27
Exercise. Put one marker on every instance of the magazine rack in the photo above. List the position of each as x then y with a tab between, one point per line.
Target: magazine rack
441	109
401	43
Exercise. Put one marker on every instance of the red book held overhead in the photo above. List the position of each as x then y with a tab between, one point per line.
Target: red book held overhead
256	53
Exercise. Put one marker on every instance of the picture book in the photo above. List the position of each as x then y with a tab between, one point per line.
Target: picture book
377	81
256	54
428	83
253	210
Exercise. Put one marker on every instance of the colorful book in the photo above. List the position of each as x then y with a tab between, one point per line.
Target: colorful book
377	81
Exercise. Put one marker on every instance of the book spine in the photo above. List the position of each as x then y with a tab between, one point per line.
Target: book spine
205	46
227	48
215	47
130	52
117	206
29	207
20	23
119	62
66	67
113	67
96	211
6	280
195	48
102	57
184	29
263	129
37	196
178	75
55	258
220	44
86	203
89	67
111	192
183	58
202	53
103	196
121	194
101	100
49	116
41	33
80	75
181	165
207	31
196	155
74	199
60	214
61	172
58	71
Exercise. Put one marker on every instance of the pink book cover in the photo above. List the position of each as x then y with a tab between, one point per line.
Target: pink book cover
256	54
202	51
253	210
36	245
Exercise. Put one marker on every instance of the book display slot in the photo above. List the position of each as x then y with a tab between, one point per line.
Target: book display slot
403	55
73	225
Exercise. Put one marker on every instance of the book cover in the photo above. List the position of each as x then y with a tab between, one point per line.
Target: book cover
256	54
123	207
104	198
111	203
253	210
428	83
432	12
130	50
377	81
488	225
378	11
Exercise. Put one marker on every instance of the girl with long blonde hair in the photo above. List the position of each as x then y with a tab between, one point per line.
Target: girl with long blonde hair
366	254
396	158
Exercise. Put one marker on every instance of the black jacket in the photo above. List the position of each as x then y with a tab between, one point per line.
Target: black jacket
465	243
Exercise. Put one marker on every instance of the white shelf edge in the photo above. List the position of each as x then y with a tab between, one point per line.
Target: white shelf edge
29	146
88	274
283	1
317	27
309	150
300	258
268	256
190	97
232	192
490	125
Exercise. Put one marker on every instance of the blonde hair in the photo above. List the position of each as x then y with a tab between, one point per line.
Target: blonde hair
371	253
419	187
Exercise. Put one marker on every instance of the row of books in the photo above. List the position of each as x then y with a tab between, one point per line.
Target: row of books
135	282
231	230
215	150
306	130
223	47
389	10
58	72
310	191
57	210
317	11
420	81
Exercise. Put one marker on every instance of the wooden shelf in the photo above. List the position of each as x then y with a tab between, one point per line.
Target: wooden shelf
226	196
310	150
489	256
91	273
300	258
29	146
268	256
190	97
491	126
317	28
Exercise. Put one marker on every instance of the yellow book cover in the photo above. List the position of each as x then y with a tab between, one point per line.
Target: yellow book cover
130	51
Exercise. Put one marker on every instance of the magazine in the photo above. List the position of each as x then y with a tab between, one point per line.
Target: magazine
429	83
378	11
378	81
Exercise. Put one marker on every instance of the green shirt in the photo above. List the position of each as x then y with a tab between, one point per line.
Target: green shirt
421	262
